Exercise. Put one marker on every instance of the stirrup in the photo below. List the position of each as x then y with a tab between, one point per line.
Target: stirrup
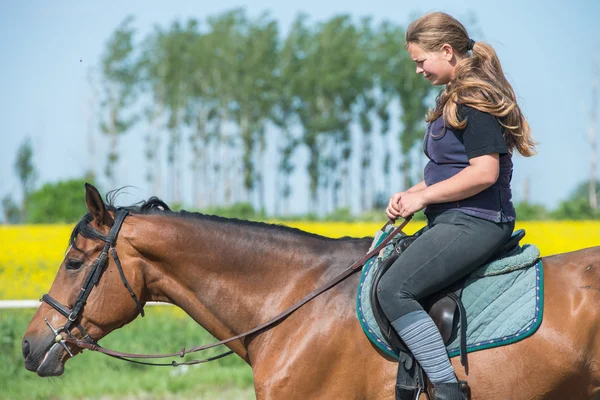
451	391
404	393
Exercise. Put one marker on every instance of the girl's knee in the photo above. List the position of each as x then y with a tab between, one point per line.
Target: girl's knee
384	291
390	294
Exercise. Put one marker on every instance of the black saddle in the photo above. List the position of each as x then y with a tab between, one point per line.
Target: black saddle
441	306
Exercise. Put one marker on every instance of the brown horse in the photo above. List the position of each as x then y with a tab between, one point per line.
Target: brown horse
232	275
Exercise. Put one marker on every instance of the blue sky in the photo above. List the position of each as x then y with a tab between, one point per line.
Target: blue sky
547	49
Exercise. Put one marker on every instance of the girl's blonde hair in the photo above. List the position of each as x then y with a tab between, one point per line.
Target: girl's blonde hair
479	81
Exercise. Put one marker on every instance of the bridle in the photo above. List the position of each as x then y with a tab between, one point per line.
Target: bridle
99	266
90	281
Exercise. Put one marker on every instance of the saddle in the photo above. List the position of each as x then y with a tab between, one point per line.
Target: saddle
444	307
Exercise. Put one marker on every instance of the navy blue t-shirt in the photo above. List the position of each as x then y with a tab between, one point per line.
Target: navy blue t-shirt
449	151
482	135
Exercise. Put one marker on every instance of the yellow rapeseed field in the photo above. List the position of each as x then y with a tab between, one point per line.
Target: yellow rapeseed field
30	255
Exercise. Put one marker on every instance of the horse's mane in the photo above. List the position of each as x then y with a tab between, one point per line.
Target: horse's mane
155	206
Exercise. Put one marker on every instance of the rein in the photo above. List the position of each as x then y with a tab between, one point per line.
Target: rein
102	261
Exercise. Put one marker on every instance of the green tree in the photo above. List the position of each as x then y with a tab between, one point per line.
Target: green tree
284	112
257	50
577	206
531	212
575	209
367	102
25	172
222	41
152	68
176	48
398	76
343	62
119	76
582	190
60	202
305	90
326	92
413	91
11	211
201	114
385	50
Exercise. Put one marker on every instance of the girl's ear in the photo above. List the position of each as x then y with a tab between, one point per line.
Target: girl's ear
447	51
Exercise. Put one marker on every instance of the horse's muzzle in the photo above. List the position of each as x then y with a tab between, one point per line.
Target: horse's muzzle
43	356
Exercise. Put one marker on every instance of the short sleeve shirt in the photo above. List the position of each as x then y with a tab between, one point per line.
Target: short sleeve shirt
482	135
449	151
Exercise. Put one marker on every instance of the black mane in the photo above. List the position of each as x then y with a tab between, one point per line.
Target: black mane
155	206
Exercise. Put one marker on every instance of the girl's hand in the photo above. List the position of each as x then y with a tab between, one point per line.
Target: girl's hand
410	203
393	209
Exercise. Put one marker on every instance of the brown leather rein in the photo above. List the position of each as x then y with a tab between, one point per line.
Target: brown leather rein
90	344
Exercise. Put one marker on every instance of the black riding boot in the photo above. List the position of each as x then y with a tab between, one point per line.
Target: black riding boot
451	391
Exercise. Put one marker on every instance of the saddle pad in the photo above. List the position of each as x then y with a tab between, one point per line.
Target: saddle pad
501	309
363	303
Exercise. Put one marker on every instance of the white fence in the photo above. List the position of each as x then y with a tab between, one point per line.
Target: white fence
36	303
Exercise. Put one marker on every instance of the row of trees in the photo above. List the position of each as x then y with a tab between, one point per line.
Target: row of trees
62	202
212	90
222	82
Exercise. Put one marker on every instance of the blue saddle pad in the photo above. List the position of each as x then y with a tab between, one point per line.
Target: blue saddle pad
503	300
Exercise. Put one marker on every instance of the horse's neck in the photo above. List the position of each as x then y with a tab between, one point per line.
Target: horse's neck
231	279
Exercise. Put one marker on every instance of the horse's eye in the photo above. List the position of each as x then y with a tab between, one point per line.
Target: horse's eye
74	264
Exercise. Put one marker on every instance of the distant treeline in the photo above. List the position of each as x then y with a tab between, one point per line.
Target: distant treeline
208	91
212	88
63	202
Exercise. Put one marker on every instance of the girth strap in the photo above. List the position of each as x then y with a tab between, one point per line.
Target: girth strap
462	317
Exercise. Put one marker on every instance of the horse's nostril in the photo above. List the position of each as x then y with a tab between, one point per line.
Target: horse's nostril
25	348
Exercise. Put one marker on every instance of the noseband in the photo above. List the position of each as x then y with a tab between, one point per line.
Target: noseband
90	281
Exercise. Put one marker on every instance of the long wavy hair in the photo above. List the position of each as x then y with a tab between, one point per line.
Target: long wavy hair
479	81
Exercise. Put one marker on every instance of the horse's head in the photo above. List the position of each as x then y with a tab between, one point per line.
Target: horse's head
91	294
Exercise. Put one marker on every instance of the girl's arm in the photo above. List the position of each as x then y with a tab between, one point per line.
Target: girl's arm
418	187
482	173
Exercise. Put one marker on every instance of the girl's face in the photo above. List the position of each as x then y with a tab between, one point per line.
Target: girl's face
437	67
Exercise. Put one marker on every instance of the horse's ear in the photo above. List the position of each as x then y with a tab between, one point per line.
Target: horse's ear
96	206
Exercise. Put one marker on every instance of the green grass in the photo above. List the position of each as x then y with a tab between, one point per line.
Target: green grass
94	375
